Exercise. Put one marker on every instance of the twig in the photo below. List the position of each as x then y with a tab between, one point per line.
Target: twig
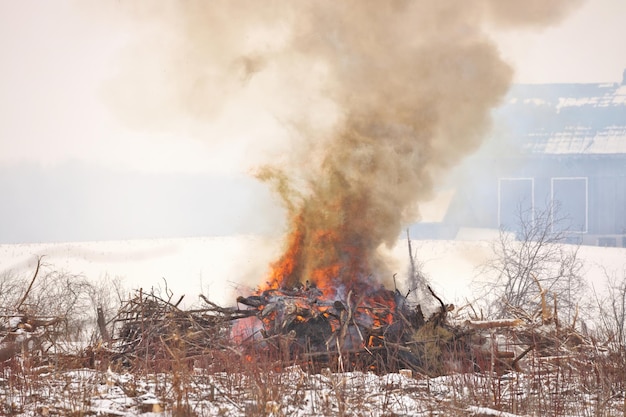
32	281
520	356
443	306
179	300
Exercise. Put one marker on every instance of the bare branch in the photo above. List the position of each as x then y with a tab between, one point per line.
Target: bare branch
30	286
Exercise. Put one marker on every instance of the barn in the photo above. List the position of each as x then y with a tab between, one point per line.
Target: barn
554	147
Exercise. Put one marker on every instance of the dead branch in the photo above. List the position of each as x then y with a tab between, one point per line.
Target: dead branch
491	324
30	286
443	306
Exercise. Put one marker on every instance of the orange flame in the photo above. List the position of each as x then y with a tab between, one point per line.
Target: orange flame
284	272
321	257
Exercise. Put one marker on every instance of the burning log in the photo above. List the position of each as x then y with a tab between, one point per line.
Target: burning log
376	329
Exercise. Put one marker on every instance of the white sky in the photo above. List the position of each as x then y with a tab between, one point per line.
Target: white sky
55	57
587	47
54	60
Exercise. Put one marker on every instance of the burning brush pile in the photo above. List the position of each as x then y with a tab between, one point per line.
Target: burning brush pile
341	325
375	329
369	330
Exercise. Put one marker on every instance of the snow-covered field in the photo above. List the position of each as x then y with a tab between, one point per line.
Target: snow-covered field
224	267
213	266
300	394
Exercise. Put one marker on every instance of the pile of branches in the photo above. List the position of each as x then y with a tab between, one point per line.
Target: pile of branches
381	332
386	337
153	331
374	332
542	332
299	326
291	325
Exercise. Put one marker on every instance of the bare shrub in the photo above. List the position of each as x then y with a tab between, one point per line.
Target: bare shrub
66	302
537	257
612	310
611	329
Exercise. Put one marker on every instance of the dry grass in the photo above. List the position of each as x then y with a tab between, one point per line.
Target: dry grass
589	382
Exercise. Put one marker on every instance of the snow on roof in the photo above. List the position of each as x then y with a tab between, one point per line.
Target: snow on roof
611	140
582	119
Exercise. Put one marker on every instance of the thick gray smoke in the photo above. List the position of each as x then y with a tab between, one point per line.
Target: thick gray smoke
380	99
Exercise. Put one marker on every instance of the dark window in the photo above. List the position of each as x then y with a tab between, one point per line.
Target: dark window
515	202
569	198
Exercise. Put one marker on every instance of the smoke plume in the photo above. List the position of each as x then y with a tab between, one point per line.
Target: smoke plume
379	100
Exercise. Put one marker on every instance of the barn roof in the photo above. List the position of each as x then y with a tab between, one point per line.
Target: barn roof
581	119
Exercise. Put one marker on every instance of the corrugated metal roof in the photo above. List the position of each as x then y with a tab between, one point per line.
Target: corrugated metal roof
567	118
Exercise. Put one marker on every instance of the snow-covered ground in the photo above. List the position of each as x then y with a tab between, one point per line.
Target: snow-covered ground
297	393
214	266
224	267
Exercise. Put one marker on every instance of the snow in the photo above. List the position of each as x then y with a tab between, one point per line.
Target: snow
584	141
567	119
613	96
296	393
484	411
212	266
222	268
14	322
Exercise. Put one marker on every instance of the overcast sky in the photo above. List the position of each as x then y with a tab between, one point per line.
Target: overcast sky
70	169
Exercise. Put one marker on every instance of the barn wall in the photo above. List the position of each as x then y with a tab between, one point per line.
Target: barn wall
593	188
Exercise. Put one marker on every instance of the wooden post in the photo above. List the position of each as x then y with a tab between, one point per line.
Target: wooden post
102	326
